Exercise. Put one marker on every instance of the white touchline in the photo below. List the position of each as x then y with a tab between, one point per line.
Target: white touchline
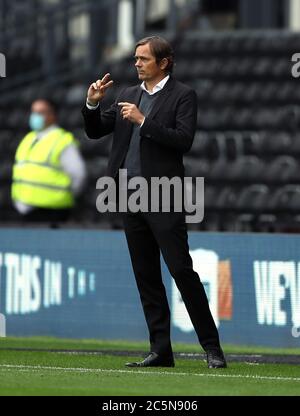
170	373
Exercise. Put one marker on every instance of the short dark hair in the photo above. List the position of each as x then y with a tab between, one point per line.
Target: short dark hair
50	102
160	48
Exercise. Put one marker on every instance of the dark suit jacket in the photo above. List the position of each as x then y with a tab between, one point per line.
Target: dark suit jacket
167	133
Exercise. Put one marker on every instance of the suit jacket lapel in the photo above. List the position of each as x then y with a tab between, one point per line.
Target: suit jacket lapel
163	96
136	97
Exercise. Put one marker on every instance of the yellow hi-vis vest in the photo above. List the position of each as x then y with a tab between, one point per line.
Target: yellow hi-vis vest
38	178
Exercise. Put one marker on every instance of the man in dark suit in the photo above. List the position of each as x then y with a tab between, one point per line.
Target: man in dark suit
154	125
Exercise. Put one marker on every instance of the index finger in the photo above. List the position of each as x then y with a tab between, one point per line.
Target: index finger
105	78
122	104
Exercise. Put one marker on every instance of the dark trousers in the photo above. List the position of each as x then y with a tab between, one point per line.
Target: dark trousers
147	234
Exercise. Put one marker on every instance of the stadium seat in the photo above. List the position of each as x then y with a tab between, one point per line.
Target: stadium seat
246	169
253	199
76	95
252	143
295	144
196	167
210	197
285	200
199	147
219	171
283	169
6	171
226	199
276	143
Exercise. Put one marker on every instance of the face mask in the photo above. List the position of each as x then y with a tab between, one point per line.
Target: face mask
36	121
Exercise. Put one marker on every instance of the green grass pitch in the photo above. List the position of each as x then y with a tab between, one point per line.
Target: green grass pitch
56	373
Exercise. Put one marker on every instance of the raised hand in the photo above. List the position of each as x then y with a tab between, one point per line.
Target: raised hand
97	89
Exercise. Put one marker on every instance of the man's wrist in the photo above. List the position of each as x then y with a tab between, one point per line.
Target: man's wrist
142	122
91	106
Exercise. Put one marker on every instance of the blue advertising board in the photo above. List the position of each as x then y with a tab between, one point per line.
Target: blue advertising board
80	284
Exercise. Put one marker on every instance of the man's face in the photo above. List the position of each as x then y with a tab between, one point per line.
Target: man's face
43	108
146	65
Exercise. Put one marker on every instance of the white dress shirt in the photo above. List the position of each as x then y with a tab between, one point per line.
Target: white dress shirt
158	87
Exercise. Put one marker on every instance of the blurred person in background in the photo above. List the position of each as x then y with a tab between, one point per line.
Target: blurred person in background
154	125
49	171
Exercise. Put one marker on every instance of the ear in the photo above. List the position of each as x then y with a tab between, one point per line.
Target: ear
163	63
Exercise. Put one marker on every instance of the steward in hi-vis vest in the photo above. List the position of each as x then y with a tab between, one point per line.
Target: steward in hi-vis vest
48	171
38	177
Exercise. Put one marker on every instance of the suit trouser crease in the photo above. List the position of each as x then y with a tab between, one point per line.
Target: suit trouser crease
147	234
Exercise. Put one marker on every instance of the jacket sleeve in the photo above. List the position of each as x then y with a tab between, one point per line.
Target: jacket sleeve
181	137
99	123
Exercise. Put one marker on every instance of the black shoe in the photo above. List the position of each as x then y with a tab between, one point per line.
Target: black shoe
215	358
154	360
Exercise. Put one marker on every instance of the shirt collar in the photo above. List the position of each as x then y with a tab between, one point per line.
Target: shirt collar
158	87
